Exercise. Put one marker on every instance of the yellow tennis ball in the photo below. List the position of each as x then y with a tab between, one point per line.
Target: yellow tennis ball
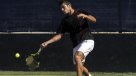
17	55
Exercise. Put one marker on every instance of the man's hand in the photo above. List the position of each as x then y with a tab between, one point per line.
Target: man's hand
81	16
44	44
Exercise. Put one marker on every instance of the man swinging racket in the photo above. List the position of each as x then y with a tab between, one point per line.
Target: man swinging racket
76	24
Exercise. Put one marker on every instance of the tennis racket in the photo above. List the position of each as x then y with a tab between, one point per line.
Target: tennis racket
32	61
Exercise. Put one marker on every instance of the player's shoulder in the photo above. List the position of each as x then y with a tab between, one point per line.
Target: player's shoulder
81	10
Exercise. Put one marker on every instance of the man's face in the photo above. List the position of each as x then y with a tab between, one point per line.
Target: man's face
65	8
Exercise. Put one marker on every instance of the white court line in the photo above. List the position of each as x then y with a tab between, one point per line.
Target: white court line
55	33
27	32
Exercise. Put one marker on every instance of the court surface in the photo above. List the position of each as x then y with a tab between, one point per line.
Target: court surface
60	73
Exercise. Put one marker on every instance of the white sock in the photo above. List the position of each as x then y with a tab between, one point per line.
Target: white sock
90	74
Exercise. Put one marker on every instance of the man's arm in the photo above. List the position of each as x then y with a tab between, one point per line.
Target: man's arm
52	40
88	17
91	18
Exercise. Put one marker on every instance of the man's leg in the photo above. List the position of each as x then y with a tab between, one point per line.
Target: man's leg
79	65
80	68
79	54
86	72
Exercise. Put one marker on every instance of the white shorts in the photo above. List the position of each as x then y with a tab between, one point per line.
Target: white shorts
85	47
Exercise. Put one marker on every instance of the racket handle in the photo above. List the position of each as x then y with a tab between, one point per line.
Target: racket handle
39	51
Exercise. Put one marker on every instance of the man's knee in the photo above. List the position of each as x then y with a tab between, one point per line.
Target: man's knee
79	56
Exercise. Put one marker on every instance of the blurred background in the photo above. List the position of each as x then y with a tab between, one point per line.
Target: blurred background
114	50
42	15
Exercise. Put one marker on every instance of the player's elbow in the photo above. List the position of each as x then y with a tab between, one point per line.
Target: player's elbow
94	20
58	37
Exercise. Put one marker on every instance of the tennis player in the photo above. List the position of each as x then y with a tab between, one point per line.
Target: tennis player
76	24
